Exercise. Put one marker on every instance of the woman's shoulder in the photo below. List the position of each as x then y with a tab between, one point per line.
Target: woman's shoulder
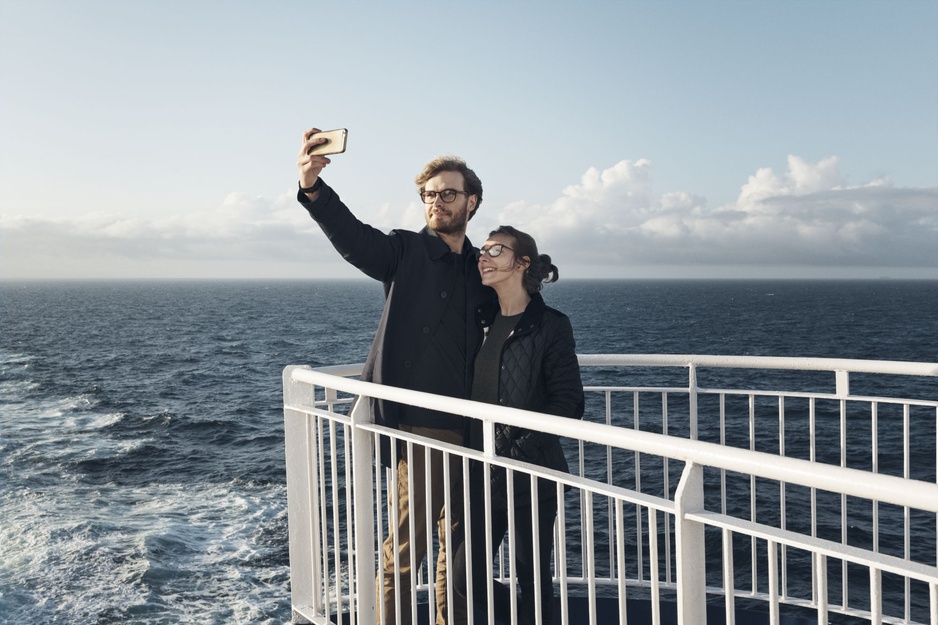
553	313
555	321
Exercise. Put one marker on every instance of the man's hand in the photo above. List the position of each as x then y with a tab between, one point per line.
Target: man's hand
310	166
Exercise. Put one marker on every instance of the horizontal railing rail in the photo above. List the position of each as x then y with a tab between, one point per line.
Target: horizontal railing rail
317	415
886	489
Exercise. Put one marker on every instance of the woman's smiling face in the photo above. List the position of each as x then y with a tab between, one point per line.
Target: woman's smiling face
504	268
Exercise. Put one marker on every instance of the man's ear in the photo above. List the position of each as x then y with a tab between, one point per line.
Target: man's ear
471	205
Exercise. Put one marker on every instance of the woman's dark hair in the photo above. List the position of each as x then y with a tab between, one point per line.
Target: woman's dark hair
540	270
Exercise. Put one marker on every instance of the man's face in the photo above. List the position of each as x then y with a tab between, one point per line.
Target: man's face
449	217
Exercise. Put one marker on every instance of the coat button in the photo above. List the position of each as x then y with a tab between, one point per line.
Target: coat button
443	294
407	364
426	329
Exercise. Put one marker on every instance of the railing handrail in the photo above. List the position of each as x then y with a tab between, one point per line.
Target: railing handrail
850	365
863	484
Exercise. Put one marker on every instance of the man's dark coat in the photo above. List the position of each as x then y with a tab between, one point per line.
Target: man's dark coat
418	274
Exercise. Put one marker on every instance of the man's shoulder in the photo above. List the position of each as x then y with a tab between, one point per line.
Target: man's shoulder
410	234
423	240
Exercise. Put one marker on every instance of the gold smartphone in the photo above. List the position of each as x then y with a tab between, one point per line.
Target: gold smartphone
335	142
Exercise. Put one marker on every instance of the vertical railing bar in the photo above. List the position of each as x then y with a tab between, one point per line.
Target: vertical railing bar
336	533
382	483
299	455
752	492
638	488
690	546
582	460
589	564
560	547
512	548
729	573
416	567
502	559
874	425
812	431
316	520
323	516
933	603
843	497
412	527
723	443
820	577
362	515
772	553
907	513
653	564
350	522
429	559
667	491
535	551
610	479
489	553
448	534
876	597
692	399
467	537
393	522
842	383
782	499
620	560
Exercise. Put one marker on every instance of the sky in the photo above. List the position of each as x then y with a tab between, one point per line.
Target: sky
633	139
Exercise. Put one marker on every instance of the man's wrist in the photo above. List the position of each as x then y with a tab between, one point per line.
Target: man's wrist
313	189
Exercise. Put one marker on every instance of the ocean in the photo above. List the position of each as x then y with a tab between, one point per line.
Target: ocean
141	425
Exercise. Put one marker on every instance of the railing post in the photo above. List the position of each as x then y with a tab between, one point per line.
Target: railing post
304	555
842	383
692	397
364	487
691	554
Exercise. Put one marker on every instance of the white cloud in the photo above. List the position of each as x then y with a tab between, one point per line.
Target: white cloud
807	216
241	234
609	223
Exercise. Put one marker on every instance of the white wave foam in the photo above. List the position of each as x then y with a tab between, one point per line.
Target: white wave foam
177	552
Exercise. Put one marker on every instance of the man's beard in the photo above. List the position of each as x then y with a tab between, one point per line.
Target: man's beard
455	225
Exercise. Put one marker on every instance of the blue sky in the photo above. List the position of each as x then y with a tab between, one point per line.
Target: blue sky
685	139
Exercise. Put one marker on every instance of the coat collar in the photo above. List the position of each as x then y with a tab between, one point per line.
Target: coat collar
485	314
437	248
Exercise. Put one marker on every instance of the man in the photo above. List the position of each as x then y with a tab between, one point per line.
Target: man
432	288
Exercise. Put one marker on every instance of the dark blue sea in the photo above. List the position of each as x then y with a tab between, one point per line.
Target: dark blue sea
141	427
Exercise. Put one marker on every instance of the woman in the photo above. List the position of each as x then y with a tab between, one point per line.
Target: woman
527	360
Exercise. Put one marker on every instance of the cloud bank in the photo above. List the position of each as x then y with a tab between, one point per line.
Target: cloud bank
612	223
807	216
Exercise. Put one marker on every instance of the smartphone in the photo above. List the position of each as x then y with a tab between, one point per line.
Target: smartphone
335	144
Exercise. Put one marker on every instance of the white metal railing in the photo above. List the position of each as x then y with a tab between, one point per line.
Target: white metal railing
818	503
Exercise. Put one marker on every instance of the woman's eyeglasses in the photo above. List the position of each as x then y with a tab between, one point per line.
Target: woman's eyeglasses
494	251
447	195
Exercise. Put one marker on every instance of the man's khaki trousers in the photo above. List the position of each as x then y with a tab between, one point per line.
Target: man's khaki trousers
413	498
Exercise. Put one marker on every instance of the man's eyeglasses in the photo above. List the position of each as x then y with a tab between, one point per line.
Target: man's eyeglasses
447	195
494	251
